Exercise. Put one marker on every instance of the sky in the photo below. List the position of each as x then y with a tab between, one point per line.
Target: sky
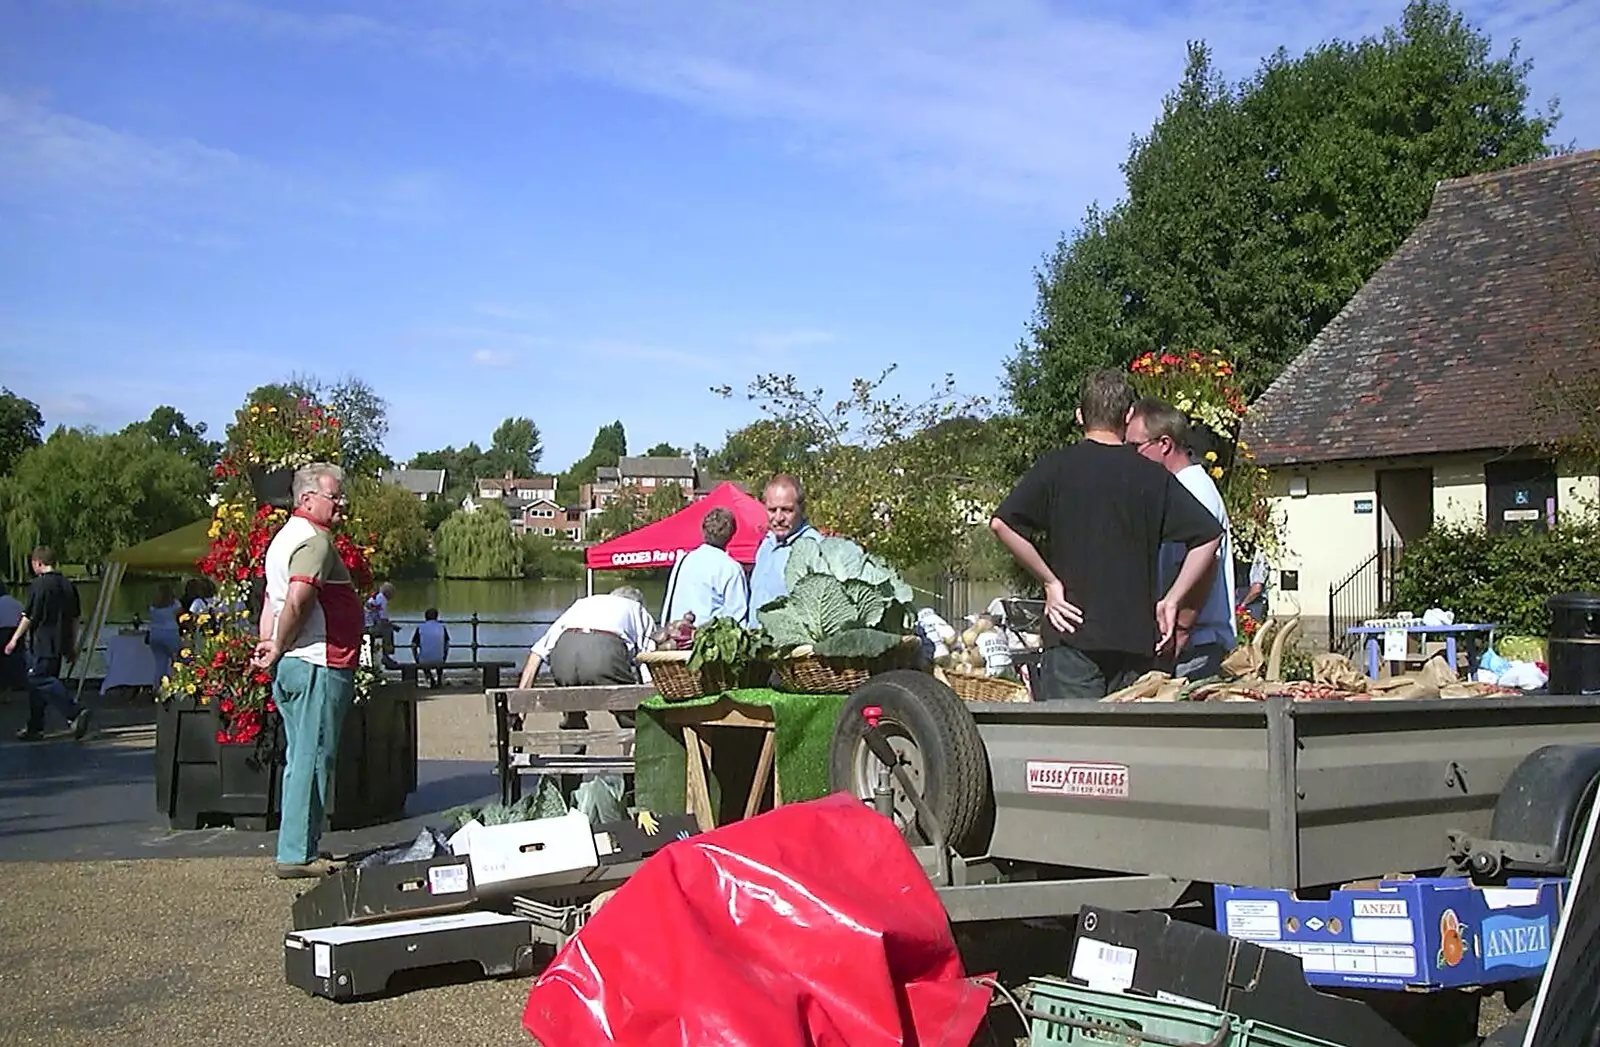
584	211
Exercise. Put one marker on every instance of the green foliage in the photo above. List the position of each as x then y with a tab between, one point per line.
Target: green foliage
20	428
663	501
169	428
478	544
624	513
1254	211
87	494
397	521
1503	578
835	587
903	478
363	416
541	559
515	447
664	450
610	444
724	641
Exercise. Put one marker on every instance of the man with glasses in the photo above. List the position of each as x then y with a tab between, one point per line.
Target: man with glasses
1206	629
311	629
1101	512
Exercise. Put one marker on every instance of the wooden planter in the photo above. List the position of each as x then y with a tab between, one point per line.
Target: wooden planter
201	782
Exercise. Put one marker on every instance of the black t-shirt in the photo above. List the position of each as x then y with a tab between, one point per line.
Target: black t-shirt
1100	512
52	607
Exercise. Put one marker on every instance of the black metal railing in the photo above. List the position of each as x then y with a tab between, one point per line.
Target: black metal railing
475	642
1359	595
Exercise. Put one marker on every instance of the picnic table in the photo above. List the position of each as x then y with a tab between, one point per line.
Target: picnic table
1475	637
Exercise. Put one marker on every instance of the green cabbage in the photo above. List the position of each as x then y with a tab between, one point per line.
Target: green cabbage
837	588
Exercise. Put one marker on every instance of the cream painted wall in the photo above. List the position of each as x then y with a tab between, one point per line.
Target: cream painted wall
1327	538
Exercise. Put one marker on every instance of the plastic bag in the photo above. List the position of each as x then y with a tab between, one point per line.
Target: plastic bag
430	843
600	799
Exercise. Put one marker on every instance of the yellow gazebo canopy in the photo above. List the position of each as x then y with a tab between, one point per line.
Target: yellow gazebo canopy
174	551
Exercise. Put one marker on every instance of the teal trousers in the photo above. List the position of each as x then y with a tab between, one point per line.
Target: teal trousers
313	701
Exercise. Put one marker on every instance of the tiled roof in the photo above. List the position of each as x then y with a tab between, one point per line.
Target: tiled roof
416	481
1446	347
666	468
532	483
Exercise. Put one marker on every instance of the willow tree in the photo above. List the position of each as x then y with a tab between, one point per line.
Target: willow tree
478	544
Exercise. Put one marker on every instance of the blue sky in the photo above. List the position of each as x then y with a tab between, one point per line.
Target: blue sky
581	211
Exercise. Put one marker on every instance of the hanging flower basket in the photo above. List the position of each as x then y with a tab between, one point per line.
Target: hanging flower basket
273	486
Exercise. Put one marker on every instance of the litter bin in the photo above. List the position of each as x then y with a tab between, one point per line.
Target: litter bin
1574	643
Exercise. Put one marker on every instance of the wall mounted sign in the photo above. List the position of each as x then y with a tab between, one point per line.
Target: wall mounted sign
1364	505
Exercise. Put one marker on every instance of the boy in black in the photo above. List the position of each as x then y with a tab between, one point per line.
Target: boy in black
1103	511
50	625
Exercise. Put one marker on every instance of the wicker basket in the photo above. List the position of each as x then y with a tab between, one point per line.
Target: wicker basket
975	687
675	681
807	673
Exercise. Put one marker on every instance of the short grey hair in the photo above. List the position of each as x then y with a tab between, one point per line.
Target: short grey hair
628	592
718	526
308	478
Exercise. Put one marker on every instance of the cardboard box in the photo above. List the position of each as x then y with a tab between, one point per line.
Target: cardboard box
543	852
1152	955
1428	933
638	838
344	963
355	895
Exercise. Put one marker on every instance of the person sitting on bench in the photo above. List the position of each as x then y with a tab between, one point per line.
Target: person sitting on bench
594	643
431	643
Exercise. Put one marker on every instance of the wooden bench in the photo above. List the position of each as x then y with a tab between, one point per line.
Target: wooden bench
519	751
411	671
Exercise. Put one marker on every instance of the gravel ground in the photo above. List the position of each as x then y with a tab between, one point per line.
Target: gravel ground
184	952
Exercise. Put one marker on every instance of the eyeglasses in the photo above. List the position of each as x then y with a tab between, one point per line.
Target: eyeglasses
1141	445
339	501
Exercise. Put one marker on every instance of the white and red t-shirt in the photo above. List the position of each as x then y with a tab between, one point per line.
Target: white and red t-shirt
330	634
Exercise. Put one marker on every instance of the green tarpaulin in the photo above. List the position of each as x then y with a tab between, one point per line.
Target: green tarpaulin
804	727
174	551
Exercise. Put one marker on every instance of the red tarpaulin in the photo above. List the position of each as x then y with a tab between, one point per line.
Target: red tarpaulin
661	543
810	926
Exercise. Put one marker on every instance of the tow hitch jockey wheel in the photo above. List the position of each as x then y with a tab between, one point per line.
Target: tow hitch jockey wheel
904	741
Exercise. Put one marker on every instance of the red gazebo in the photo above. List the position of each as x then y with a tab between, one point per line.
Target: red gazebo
661	543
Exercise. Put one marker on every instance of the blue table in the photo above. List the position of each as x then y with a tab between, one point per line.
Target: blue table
1469	634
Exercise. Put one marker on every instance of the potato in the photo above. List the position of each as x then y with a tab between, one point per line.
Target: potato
969	637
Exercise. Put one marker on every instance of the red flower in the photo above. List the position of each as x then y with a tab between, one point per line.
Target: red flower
226	705
223	738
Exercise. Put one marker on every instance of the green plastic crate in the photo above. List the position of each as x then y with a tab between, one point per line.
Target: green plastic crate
1092	1018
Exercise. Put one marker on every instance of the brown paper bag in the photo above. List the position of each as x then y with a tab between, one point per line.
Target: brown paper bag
1244	660
1336	670
1145	687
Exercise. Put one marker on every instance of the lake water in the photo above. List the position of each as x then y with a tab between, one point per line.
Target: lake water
512	615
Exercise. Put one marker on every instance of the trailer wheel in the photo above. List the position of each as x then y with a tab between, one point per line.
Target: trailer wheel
938	744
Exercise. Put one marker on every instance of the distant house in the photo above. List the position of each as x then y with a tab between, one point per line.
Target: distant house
548	518
650	473
426	484
514	488
597	495
1421	402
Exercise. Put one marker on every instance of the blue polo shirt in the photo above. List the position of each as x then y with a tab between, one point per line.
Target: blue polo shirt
766	578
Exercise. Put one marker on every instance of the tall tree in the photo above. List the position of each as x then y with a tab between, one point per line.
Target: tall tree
664	450
515	448
663	501
20	427
168	427
1255	211
396	521
610	445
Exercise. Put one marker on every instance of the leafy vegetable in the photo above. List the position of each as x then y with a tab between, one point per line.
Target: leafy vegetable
836	587
723	641
857	643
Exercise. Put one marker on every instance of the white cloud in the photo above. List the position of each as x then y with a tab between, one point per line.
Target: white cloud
493	358
41	149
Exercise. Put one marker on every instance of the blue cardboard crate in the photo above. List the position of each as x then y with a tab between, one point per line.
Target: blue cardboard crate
1430	933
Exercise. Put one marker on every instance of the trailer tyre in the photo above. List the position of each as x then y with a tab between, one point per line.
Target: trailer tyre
939	746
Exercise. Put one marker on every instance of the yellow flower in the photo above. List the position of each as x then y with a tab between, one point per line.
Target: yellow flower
185	653
166	681
189	689
1216	471
1211	456
254	409
1243	446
